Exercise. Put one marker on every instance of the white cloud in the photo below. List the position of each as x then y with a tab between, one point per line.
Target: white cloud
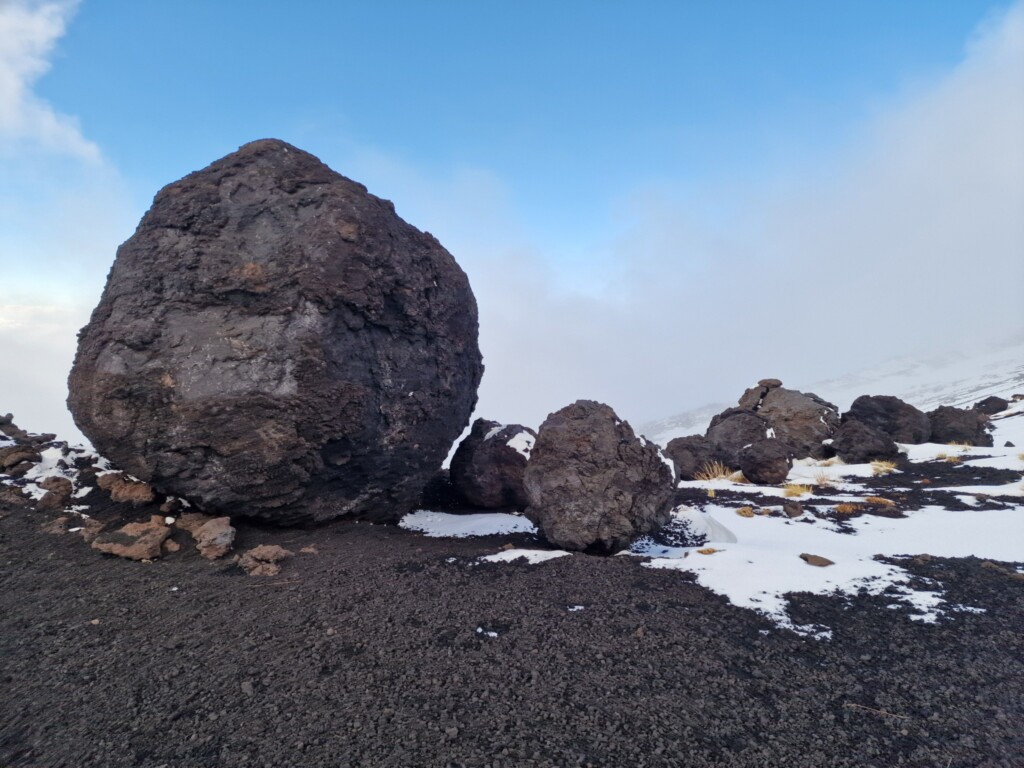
28	33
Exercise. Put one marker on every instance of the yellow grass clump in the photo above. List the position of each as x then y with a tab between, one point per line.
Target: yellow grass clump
825	479
792	489
880	501
711	493
745	511
707	551
1020	456
883	467
954	459
738	477
713	470
847	509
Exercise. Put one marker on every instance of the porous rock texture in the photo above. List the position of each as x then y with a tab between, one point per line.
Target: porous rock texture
274	341
731	431
899	420
487	468
859	443
766	462
959	425
691	455
592	483
802	420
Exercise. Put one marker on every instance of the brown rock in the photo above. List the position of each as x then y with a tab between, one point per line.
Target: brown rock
172	506
171	546
192	522
818	560
14	455
793	508
124	490
263	560
58	525
59	485
51	502
215	537
135	541
90	529
770	383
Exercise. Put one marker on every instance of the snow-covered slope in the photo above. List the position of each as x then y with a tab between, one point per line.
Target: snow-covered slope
926	382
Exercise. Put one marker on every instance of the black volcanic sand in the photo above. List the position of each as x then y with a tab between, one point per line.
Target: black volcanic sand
367	653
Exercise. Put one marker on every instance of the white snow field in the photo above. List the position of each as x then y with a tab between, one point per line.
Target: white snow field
755	560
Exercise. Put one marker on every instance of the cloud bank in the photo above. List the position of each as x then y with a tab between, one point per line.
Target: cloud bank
909	241
28	33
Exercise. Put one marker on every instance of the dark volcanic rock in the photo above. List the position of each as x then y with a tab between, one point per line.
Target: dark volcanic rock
959	425
766	462
859	443
592	483
732	430
899	420
802	420
275	341
487	468
991	405
691	454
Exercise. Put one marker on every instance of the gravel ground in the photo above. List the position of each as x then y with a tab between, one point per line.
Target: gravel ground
377	650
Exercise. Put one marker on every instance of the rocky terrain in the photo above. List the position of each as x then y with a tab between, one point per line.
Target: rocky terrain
262	561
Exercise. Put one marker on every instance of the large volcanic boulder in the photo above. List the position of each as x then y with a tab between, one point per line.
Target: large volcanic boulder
899	420
959	425
732	430
275	341
592	483
766	461
691	454
859	443
487	468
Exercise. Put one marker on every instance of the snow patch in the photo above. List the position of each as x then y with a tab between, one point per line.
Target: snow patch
443	524
532	556
522	442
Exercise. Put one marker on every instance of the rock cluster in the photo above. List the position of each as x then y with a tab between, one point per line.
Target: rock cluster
799	423
592	483
274	341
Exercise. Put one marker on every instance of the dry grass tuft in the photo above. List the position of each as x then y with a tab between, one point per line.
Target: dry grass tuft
792	490
961	444
847	509
835	461
880	501
953	459
745	511
883	467
824	479
711	493
713	470
707	551
738	477
1020	456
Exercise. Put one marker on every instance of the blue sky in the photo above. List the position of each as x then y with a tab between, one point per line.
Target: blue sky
569	103
656	203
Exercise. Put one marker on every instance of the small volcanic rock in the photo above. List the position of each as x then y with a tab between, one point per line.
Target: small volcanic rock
263	560
135	541
793	508
816	560
124	490
214	538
